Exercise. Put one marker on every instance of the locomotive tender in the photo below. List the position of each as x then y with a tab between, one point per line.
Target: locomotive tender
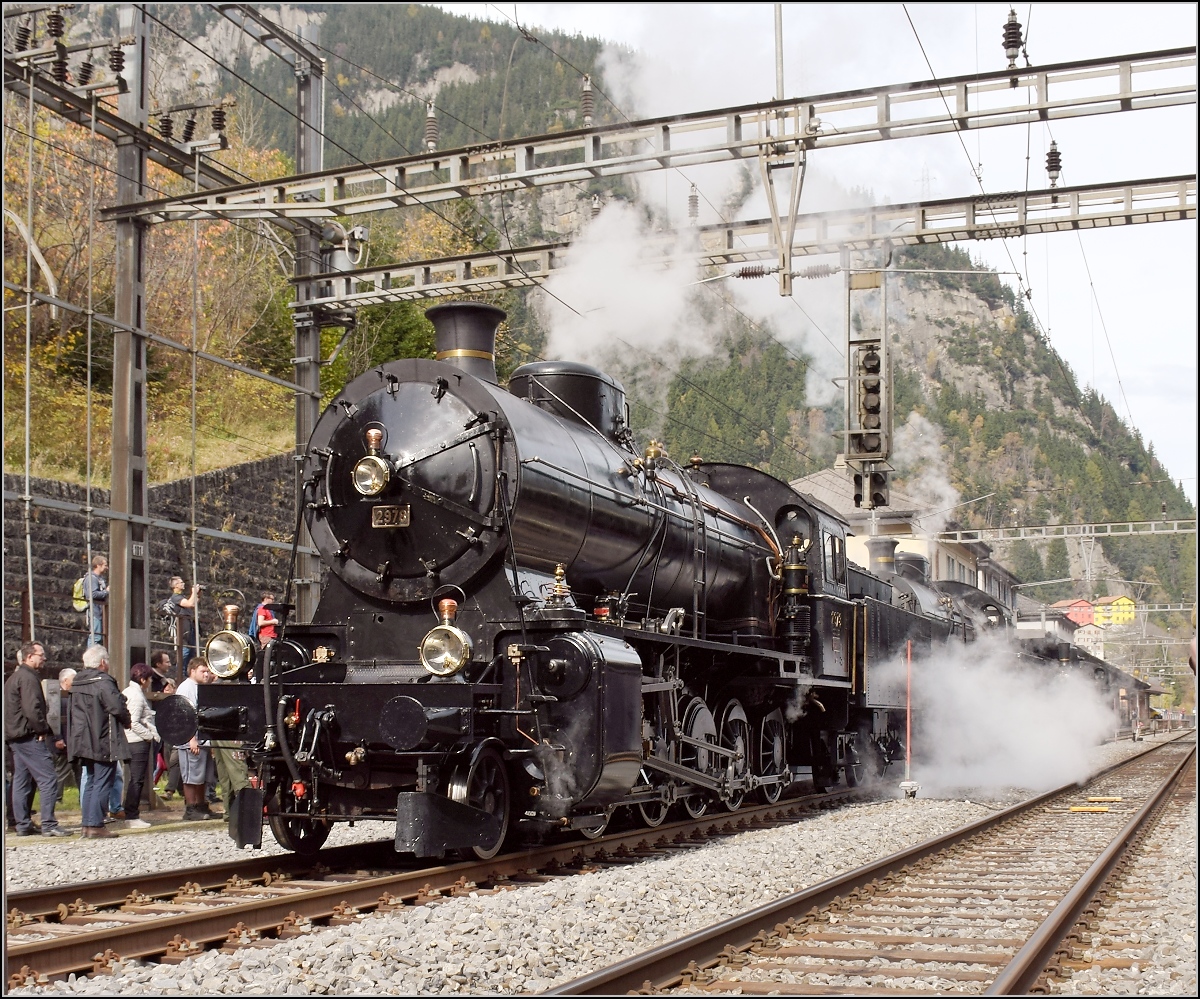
528	623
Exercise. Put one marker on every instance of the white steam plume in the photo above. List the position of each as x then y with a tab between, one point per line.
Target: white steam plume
983	720
921	465
614	287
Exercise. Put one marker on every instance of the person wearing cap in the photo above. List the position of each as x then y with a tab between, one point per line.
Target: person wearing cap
141	735
183	617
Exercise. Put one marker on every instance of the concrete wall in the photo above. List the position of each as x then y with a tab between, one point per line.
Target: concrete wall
255	498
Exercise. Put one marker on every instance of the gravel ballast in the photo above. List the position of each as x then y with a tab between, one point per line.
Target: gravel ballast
538	935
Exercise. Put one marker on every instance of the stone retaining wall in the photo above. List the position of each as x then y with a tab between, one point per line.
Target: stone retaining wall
255	498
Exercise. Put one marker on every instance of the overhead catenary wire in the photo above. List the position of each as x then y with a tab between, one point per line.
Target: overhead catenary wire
974	171
1095	300
1027	293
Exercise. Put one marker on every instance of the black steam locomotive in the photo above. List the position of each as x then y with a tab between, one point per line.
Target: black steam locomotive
529	623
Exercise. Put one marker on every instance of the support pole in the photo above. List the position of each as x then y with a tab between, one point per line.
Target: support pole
908	714
310	127
779	51
129	636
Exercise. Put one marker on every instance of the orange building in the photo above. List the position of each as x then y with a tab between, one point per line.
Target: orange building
1080	611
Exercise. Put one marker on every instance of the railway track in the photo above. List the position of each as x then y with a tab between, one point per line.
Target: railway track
981	910
172	915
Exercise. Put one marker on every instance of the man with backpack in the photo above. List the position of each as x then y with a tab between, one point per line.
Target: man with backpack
89	595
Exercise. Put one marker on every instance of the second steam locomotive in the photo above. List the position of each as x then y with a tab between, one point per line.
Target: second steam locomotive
528	623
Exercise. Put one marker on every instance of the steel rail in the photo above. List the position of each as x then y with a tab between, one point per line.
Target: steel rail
1023	971
76	953
39	902
661	966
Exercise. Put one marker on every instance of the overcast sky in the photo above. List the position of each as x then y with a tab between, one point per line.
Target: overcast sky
698	56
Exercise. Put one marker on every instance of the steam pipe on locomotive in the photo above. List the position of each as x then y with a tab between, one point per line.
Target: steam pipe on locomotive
526	622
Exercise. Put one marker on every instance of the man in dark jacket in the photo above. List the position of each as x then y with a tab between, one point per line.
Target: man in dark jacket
27	732
96	735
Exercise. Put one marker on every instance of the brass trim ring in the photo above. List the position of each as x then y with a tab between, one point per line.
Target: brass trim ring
442	355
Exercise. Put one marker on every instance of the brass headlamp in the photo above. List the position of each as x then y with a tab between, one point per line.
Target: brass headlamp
445	649
372	473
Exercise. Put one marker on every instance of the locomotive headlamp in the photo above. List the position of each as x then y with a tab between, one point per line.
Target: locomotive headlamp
445	650
371	475
228	653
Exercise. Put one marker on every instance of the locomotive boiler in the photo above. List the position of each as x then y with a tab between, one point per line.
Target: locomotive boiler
528	622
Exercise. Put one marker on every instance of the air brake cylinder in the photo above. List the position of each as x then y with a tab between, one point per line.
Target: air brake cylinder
795	617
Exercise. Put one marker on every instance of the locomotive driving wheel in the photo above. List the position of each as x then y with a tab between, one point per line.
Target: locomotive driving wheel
483	784
300	834
735	735
771	758
698	724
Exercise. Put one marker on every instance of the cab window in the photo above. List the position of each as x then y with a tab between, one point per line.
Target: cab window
835	559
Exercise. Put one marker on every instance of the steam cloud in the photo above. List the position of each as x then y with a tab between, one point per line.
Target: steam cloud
986	721
609	292
921	464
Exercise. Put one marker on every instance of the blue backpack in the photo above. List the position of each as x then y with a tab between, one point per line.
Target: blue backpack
252	631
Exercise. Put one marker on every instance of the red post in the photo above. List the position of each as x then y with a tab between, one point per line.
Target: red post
908	715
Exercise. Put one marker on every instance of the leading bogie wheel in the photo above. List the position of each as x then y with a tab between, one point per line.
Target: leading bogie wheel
300	835
595	832
483	784
654	811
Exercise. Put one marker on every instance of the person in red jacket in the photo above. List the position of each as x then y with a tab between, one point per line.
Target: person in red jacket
268	623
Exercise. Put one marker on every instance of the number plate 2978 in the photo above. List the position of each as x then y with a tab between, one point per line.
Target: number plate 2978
390	516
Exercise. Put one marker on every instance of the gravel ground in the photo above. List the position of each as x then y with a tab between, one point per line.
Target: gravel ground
36	862
528	939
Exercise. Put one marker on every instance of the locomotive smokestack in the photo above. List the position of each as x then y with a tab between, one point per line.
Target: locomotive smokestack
882	555
465	336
